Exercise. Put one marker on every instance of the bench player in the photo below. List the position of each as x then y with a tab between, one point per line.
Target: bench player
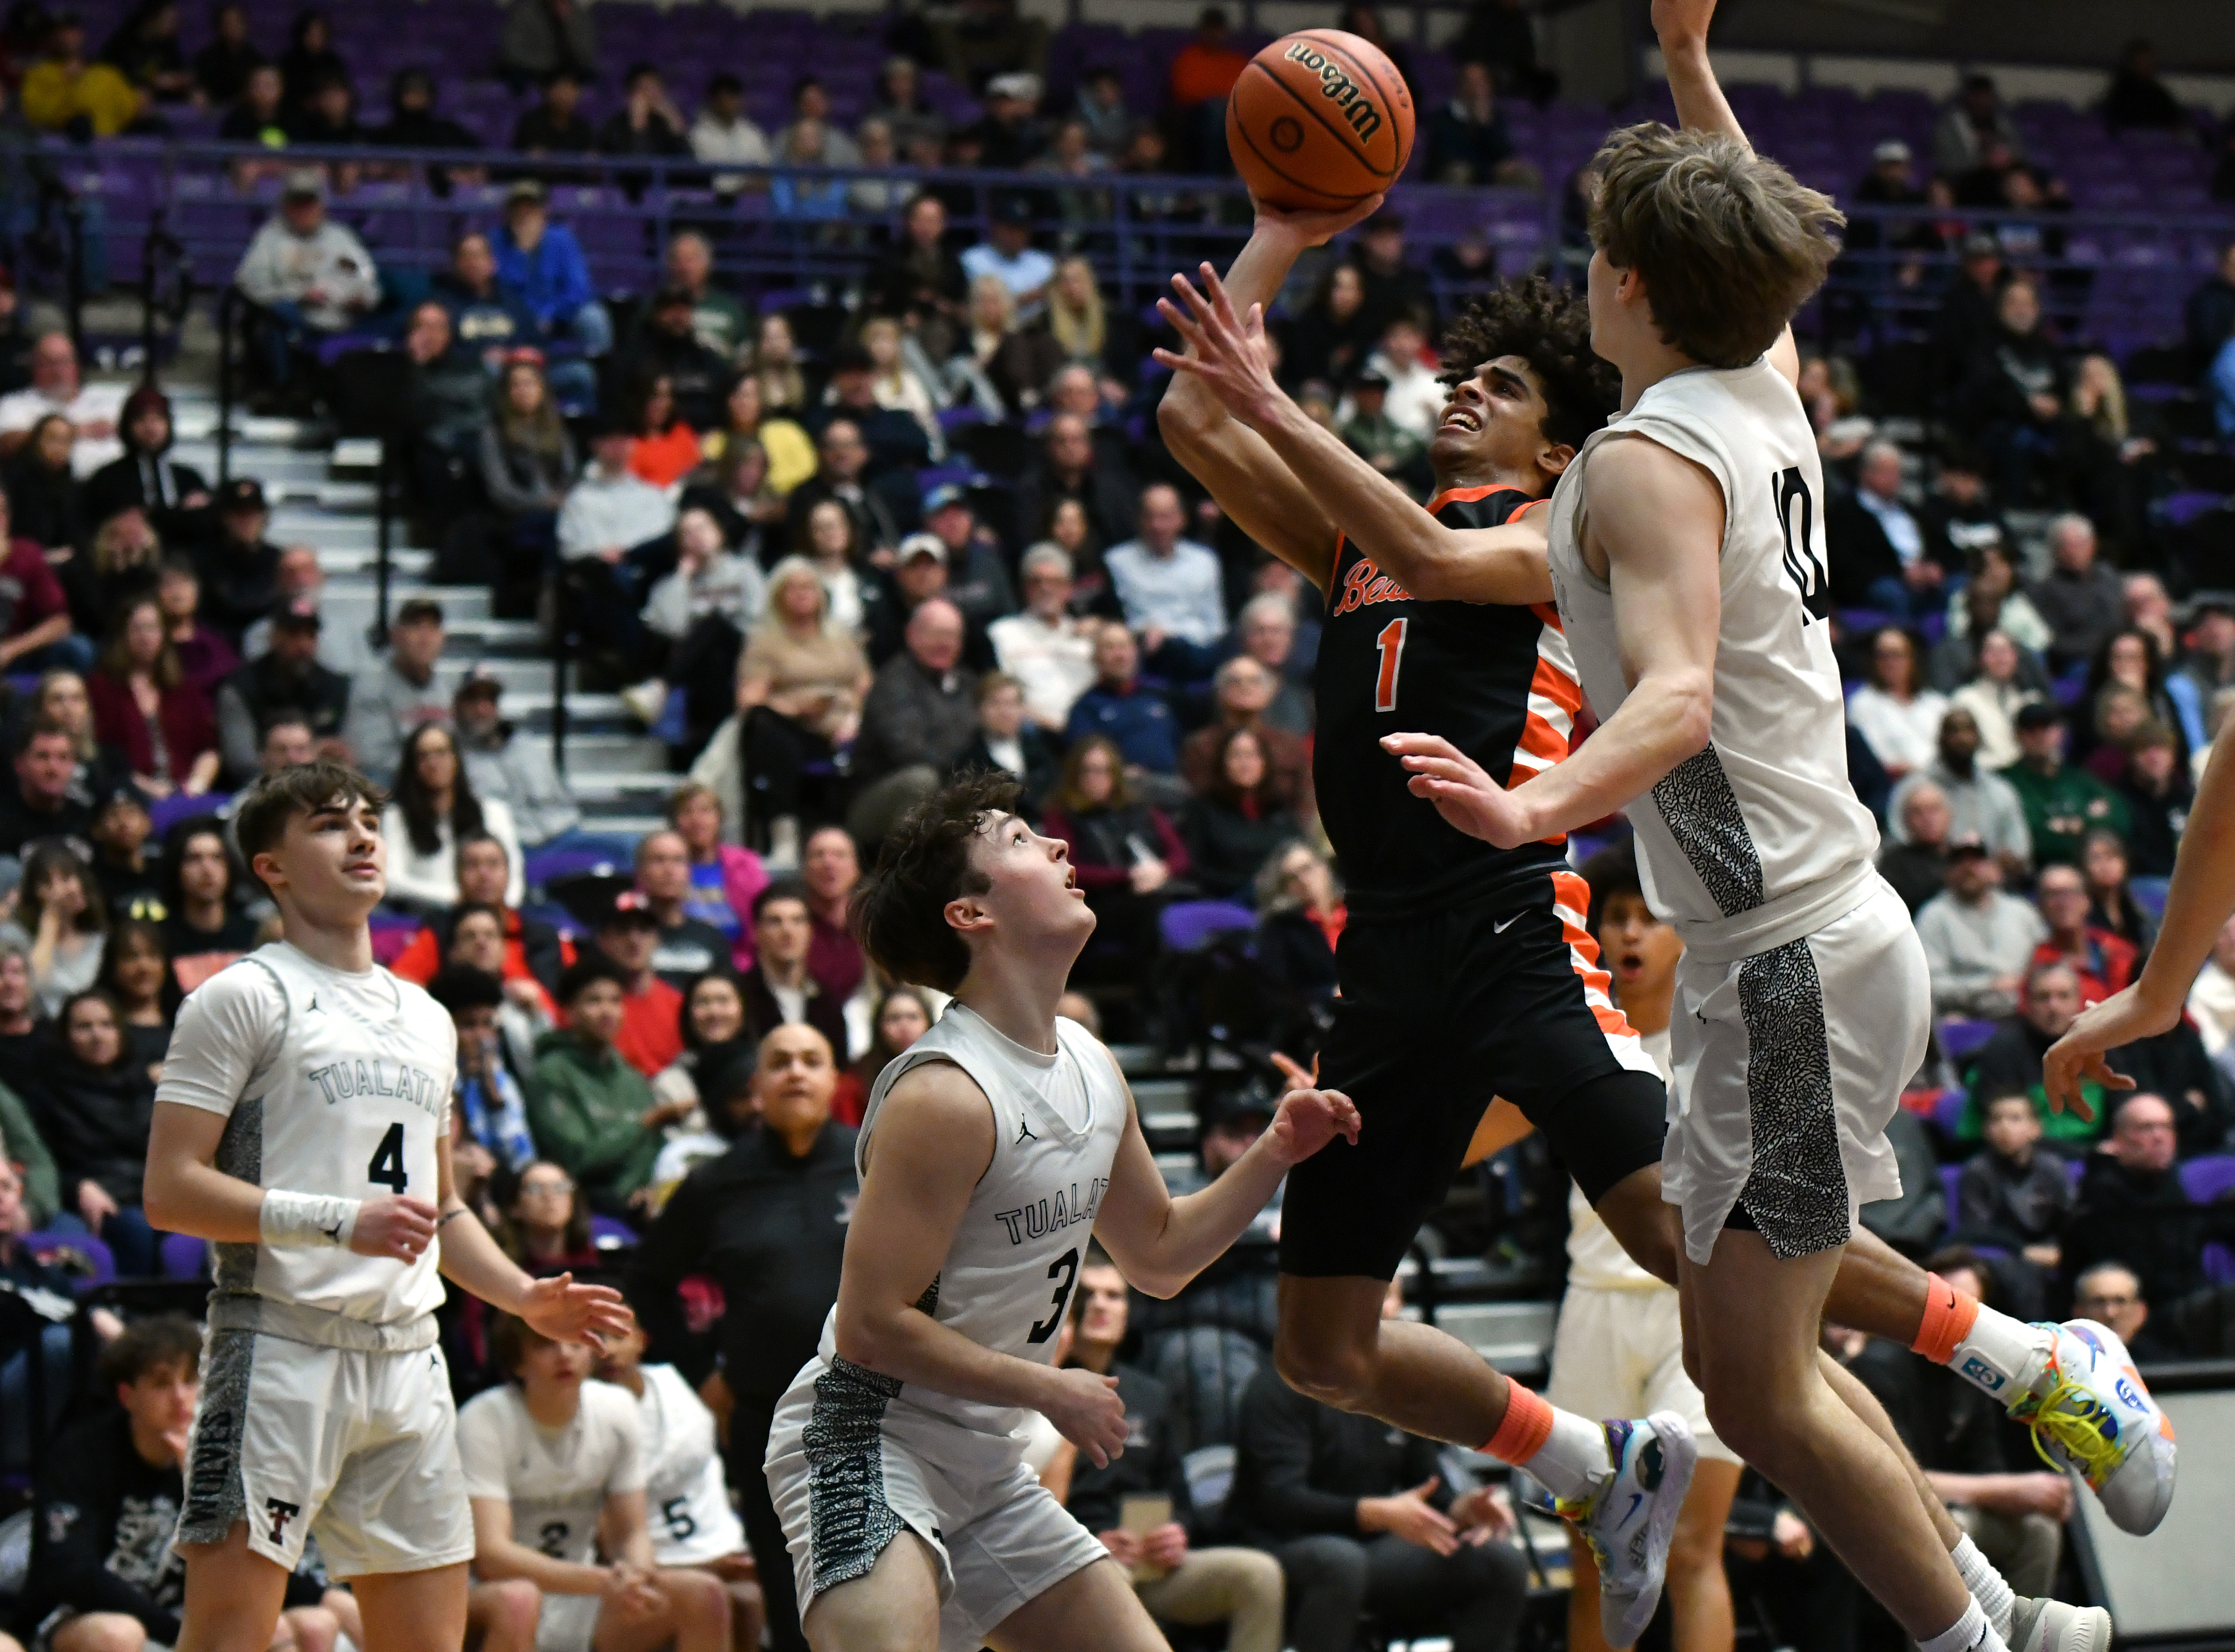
302	1123
993	1152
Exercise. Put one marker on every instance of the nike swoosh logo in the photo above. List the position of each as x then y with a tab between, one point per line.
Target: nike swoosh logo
1635	1498
1500	929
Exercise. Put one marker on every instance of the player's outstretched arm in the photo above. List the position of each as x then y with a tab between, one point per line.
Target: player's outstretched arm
1248	479
1658	520
471	1259
1226	356
1160	1242
2197	907
934	1141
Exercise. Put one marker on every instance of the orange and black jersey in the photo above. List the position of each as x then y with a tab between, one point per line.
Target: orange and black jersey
1497	682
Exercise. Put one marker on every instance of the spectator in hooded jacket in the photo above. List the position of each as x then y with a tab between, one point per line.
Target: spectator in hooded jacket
505	768
175	496
312	273
543	263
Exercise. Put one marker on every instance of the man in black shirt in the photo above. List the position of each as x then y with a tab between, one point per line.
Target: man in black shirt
1359	1517
2132	1207
557	124
239	568
687	946
768	1220
286	680
45	801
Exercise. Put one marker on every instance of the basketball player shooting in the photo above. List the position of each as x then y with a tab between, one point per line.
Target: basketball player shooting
303	1124
990	1151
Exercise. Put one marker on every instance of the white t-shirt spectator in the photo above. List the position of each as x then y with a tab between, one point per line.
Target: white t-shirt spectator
1054	664
1028	271
1903	736
601	511
93	404
430	882
739	142
556	1480
1182	595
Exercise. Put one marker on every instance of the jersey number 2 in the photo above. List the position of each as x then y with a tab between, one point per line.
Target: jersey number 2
388	1162
1067	1266
1391	642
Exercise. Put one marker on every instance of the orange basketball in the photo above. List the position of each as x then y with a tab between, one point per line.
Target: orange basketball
1320	120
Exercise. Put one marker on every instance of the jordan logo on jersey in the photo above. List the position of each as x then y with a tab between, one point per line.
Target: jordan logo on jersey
1366	585
1041	1218
344	1080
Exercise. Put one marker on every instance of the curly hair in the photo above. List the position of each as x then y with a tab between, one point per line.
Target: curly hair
1550	328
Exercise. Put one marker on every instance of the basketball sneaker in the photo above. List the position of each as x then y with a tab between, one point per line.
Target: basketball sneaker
2090	1412
1629	1519
2057	1626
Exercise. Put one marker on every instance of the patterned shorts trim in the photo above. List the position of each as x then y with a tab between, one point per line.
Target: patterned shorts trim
215	1495
1796	1194
852	1521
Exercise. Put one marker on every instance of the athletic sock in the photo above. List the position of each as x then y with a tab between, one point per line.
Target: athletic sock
1969	1632
1987	1348
1565	1453
1987	1586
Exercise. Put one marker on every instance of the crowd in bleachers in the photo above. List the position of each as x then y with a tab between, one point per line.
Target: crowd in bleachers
831	552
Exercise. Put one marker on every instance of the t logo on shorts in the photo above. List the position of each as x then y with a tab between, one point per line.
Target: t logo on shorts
281	1513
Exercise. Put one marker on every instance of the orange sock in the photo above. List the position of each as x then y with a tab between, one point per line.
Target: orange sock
1948	1316
1526	1426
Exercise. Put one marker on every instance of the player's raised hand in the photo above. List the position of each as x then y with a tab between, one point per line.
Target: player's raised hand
1461	791
564	1312
395	1225
1227	351
1308	228
2077	1058
1086	1410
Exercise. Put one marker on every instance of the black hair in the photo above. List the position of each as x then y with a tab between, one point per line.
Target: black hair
899	911
129	930
586	971
691	1041
1611	872
458	913
417	803
174	853
152	1344
39	727
1550	328
95	995
785	888
40	861
460	986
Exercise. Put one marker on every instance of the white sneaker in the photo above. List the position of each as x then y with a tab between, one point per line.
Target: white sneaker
1630	1518
2058	1626
2091	1413
646	701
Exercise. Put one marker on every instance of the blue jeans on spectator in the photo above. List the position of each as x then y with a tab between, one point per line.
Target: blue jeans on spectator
592	327
52	1350
133	1242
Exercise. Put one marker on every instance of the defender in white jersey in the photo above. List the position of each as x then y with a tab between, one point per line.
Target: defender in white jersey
1685	558
991	1152
302	1123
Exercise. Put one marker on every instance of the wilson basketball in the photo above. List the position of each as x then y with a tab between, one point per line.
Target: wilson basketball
1321	121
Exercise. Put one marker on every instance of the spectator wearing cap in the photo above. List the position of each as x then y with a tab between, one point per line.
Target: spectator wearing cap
921	713
491	1108
667	345
57	387
344	649
433	808
1978	939
919	573
1172	590
542	262
175	496
841	473
121	865
2062	804
627	936
35	612
1980	802
780	989
590	1108
402	693
1008	253
894	438
283	683
239	567
976	581
1047	649
311	274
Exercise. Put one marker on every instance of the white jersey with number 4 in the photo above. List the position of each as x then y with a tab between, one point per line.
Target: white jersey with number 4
1757	839
332	1083
1010	1270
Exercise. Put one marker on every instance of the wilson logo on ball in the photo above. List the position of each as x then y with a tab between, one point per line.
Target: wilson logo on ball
1365	120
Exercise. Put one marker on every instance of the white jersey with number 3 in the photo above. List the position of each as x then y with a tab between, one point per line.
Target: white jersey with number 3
332	1083
1010	1270
1757	838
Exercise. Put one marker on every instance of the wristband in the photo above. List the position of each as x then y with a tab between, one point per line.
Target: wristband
306	1219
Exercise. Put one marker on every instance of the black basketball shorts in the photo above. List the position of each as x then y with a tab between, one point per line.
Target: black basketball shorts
1438	1015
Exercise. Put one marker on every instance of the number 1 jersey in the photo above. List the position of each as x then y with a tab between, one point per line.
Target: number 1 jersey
1495	681
331	1083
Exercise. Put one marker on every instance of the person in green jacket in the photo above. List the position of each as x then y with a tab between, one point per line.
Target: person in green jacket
589	1110
19	1141
2062	804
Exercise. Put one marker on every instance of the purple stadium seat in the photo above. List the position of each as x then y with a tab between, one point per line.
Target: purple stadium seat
2150	895
183	1256
1187	926
2209	1179
97	1255
1949	1175
608	1233
1960	1039
1948	1111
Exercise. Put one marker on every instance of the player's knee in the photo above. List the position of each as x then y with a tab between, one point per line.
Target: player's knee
1331	1370
316	1629
100	1632
514	1607
700	1598
1743	1422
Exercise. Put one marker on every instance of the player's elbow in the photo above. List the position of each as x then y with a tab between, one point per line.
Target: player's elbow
859	1338
1687	701
1163	1283
1183	415
158	1199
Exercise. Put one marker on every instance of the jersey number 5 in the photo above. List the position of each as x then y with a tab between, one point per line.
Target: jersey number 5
387	1165
1391	642
1067	1266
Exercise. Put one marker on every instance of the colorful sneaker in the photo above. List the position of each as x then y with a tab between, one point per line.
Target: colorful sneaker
2057	1626
1629	1519
2091	1414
